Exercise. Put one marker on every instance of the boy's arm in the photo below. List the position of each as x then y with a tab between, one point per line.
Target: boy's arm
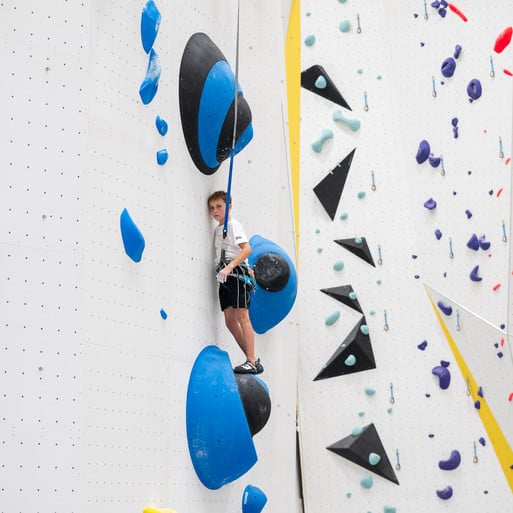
245	251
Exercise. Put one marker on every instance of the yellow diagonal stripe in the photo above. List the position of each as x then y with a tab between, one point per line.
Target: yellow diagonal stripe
498	440
293	64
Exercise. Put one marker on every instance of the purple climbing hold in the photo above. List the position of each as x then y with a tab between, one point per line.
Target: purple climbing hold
446	309
435	4
500	354
423	345
454	122
430	204
484	244
452	463
438	234
477	405
423	152
455	132
474	274
442	12
474	89
480	392
448	67
457	51
482	441
434	161
473	242
446	493
502	326
444	376
468	213
445	363
443	3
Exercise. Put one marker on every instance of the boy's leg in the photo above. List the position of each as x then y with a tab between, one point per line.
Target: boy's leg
238	322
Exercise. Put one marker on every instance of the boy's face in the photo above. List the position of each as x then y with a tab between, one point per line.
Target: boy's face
217	210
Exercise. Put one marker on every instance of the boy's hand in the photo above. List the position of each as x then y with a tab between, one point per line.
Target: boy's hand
223	274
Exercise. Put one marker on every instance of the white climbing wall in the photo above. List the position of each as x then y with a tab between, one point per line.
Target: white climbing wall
392	64
92	379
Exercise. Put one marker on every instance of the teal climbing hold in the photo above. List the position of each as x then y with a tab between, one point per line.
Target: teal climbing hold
338	266
332	319
366	482
374	458
350	360
321	83
344	26
326	135
364	329
310	40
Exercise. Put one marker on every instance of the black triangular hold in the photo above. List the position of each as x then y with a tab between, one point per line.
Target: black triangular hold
330	92
359	247
356	345
342	294
357	448
329	189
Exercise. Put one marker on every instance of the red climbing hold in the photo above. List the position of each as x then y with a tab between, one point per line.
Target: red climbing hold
503	39
507	72
455	10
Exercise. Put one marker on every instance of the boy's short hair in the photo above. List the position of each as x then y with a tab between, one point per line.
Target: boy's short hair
218	195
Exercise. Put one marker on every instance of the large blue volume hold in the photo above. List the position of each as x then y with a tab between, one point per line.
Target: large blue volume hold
218	435
269	307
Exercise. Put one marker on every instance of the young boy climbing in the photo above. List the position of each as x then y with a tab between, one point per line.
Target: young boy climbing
233	275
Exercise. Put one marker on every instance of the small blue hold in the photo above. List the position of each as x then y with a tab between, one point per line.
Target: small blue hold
430	204
453	462
133	240
473	242
163	314
150	84
446	493
161	125
162	157
434	161
484	244
446	309
444	376
474	89
448	67
474	274
253	500
438	234
150	23
423	151
457	51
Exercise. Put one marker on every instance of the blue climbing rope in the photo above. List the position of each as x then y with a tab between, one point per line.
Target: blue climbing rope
232	152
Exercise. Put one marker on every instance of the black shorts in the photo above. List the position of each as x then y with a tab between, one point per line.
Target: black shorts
235	292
